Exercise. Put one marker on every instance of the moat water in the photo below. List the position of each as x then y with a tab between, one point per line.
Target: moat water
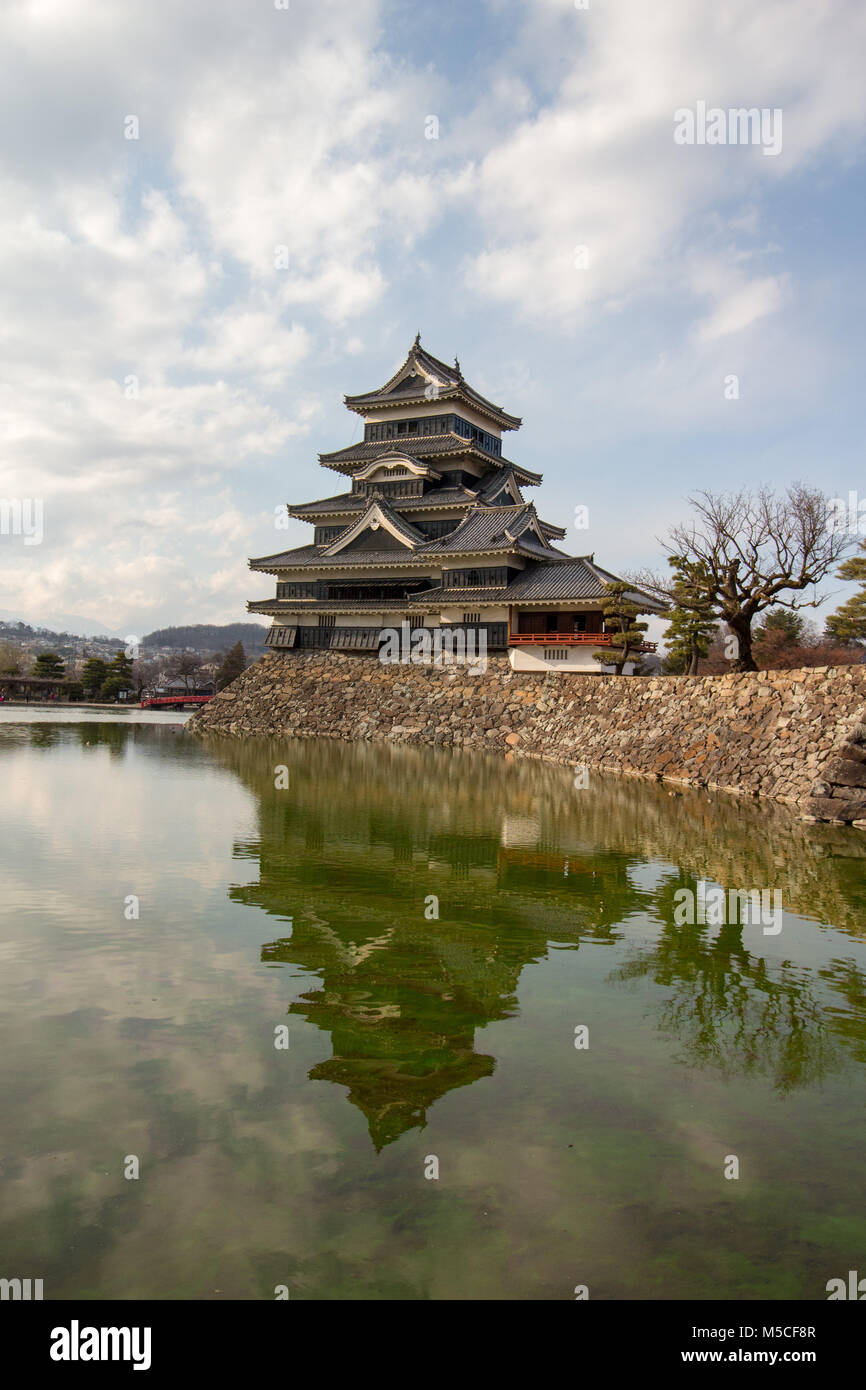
173	909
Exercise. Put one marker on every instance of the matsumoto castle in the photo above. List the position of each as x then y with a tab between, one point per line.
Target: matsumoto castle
432	529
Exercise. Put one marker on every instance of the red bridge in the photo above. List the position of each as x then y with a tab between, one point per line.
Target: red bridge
175	701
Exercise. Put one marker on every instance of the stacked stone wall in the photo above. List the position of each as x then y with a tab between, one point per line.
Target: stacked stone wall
793	736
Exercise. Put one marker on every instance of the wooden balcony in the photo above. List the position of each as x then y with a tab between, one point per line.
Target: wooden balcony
568	639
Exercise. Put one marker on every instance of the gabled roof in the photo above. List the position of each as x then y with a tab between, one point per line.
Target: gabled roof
494	528
378	514
396	458
356	501
497	482
423	446
501	530
412	381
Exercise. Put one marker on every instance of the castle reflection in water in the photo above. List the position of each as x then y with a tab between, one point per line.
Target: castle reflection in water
523	862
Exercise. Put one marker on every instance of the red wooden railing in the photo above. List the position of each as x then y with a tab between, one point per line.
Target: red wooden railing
174	701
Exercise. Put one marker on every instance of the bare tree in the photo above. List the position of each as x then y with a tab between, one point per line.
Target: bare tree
759	550
14	660
145	676
186	667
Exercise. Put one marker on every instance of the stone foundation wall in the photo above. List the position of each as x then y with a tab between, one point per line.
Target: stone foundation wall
794	736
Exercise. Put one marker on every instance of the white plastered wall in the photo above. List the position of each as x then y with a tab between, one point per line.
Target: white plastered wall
578	659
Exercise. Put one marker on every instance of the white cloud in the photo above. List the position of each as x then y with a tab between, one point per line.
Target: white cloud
149	346
741	304
154	259
597	165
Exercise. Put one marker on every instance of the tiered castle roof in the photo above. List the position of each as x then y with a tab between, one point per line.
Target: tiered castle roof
497	531
429	487
422	374
456	464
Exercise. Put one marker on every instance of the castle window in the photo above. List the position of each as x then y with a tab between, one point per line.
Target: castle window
291	589
323	535
435	529
496	577
433	424
411	487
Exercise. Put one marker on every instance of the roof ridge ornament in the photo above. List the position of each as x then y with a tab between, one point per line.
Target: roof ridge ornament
417	342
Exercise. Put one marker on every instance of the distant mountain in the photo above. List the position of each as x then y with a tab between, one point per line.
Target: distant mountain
15	630
210	637
69	623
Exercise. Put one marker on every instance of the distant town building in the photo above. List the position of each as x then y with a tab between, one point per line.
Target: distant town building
432	529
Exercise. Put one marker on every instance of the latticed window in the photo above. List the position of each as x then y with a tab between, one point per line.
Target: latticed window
433	424
327	619
497	633
323	535
413	487
290	589
485	441
396	429
496	577
409	487
435	529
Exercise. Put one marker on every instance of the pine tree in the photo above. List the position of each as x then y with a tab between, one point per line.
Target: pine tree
49	666
118	676
693	618
626	635
783	625
848	623
121	665
234	665
93	674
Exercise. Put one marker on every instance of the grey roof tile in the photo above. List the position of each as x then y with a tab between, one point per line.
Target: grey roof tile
374	500
357	501
456	597
412	386
314	557
342	501
491	528
494	483
285	559
423	446
327	605
575	577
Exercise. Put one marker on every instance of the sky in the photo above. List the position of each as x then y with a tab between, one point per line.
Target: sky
501	176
